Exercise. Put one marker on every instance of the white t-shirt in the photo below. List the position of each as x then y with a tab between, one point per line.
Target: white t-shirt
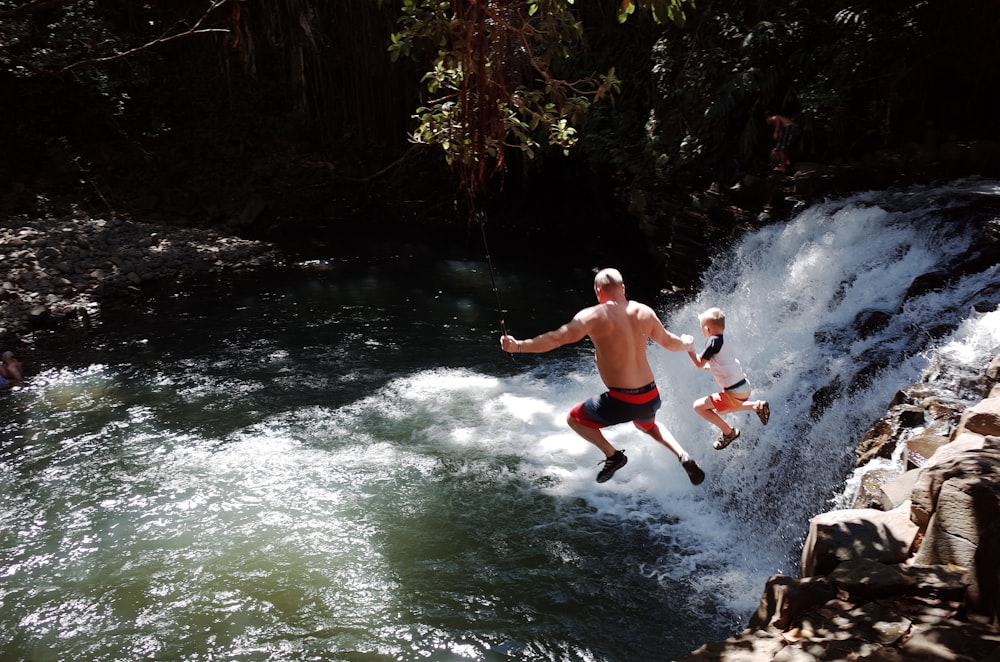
722	362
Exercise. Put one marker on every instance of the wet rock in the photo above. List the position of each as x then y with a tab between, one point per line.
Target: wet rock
58	270
870	494
860	596
843	535
894	493
920	448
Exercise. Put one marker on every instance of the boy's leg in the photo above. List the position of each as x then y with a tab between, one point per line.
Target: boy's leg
759	407
706	410
763	411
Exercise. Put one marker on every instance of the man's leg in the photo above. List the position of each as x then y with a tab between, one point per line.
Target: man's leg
593	435
706	410
659	432
614	459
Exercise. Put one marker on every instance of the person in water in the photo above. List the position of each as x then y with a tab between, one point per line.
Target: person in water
10	369
719	359
619	329
786	132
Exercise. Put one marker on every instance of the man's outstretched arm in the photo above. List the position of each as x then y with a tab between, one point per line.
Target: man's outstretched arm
573	331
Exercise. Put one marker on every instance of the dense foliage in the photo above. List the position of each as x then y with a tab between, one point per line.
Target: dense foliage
857	76
202	103
499	81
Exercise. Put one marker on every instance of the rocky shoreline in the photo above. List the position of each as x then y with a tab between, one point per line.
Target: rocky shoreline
57	271
912	571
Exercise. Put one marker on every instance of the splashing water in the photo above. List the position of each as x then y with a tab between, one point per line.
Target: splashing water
343	466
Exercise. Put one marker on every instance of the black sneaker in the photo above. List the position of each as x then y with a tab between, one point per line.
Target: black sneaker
694	472
611	465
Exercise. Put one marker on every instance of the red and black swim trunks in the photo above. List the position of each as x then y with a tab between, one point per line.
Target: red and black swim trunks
620	405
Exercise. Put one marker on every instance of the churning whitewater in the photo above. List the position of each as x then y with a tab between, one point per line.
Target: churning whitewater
344	466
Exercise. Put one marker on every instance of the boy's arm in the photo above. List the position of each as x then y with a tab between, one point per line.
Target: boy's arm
697	360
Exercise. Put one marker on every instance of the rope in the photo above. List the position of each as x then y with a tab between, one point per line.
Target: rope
481	216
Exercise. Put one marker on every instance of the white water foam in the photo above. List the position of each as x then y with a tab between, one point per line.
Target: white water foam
793	293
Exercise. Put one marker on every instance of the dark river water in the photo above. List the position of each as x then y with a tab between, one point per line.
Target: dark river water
338	463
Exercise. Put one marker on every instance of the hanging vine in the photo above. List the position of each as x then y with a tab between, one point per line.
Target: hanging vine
494	84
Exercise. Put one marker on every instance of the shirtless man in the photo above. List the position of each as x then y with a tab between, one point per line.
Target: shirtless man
619	329
786	131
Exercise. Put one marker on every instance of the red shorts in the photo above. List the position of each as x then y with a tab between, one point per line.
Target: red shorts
637	405
729	400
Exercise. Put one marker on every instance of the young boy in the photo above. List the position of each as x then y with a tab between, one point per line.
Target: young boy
718	358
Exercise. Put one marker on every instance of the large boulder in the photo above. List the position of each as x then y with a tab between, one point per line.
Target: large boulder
786	598
866	533
967	501
960	496
982	418
942	466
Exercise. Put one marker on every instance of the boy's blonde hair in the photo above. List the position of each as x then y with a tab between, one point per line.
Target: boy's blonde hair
714	318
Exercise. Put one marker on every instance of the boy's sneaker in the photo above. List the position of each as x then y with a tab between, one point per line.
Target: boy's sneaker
726	439
764	412
611	465
694	472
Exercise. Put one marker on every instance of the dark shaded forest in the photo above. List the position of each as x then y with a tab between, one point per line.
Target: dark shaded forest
249	115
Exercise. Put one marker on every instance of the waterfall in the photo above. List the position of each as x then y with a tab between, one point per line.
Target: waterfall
829	324
829	318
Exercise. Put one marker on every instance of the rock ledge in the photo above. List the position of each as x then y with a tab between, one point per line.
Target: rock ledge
913	572
56	271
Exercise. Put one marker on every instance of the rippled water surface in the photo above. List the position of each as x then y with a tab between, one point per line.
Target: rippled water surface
339	464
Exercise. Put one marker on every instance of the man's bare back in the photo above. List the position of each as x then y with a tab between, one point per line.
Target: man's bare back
620	330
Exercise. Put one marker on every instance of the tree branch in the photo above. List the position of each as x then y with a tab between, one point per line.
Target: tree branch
162	39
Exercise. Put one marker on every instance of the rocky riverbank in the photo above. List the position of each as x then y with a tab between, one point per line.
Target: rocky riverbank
912	572
57	271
